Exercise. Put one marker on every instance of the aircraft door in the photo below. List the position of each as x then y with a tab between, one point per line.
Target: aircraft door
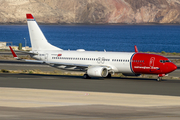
151	63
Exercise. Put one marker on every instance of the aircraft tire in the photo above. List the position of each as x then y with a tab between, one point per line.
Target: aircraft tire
86	76
159	79
108	76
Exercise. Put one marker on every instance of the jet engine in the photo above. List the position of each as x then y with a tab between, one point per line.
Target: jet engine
97	72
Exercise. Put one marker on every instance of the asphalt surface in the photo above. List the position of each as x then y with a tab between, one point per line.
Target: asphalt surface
9	53
90	112
169	87
22	65
173	57
77	83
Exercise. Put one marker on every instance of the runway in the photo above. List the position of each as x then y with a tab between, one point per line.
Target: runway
77	83
37	96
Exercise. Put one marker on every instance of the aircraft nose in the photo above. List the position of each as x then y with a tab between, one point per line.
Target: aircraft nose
172	67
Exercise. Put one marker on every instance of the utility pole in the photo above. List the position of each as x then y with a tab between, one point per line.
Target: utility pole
25	41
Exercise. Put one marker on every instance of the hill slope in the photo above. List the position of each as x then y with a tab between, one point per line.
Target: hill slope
91	11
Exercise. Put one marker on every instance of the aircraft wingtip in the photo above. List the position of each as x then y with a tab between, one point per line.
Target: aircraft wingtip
136	49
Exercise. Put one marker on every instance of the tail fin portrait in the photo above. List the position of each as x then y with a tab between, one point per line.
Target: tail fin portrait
38	40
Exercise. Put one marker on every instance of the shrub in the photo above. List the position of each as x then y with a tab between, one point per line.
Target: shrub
4	71
30	72
163	52
174	53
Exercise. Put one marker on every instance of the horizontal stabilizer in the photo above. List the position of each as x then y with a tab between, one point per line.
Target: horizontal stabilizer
17	58
14	54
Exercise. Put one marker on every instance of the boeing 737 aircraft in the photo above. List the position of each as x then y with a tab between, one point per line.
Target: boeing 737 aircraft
93	63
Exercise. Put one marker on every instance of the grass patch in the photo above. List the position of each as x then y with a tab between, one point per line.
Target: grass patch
163	52
4	71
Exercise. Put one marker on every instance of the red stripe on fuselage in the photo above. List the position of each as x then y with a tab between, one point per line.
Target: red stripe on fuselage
143	63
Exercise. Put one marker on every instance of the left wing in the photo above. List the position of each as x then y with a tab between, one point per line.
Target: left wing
54	64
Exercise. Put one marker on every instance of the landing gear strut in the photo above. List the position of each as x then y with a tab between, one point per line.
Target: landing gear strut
159	79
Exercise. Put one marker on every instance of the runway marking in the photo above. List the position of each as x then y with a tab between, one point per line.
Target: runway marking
22	97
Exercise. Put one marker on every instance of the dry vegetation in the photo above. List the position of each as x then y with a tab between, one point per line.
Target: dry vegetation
163	53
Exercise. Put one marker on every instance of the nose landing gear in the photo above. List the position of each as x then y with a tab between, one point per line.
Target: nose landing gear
159	79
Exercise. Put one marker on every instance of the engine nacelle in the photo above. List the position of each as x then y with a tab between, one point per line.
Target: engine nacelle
97	72
131	74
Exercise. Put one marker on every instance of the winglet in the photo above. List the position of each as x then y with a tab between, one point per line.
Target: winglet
135	47
13	53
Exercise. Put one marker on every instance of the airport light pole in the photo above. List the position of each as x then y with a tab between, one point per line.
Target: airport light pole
25	41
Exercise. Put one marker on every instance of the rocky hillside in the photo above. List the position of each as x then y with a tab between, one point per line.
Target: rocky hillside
91	11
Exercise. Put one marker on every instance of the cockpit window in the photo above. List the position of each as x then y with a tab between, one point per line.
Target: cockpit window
164	61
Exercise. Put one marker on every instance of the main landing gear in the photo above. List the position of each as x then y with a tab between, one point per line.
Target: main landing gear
86	76
108	76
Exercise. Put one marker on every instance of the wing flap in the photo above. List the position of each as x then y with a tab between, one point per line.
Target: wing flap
83	66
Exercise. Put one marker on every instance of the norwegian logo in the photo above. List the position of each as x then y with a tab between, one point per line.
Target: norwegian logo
59	55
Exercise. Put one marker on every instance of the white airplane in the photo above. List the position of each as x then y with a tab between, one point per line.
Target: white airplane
93	63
